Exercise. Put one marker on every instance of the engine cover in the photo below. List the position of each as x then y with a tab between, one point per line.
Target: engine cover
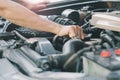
110	21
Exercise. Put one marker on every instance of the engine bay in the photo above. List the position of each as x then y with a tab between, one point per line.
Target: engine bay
27	54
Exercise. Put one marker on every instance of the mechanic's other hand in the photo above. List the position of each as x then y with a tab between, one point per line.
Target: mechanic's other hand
35	5
73	31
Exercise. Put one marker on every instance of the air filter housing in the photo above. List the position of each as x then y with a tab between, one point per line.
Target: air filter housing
110	20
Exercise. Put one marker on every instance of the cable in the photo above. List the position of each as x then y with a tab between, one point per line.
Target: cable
19	35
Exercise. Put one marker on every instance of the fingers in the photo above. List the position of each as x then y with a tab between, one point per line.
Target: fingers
73	31
81	33
76	32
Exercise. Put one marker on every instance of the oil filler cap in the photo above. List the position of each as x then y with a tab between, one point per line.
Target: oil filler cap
105	54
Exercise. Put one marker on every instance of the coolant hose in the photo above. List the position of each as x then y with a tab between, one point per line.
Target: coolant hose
69	48
71	59
109	39
112	34
55	60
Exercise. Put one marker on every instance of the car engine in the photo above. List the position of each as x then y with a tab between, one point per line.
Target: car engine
27	54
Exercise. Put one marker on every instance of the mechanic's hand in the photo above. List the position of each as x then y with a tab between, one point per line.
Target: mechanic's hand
73	31
35	5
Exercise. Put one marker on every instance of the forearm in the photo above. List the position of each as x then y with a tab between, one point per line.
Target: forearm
24	17
33	5
20	2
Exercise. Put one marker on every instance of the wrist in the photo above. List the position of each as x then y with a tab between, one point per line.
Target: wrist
58	29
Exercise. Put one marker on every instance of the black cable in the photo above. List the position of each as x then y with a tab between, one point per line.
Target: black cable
107	38
19	35
78	64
